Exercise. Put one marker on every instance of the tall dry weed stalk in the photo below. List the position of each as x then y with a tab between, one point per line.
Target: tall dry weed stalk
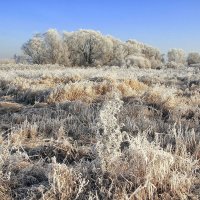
109	136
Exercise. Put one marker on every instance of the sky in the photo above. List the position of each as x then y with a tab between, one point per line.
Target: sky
163	24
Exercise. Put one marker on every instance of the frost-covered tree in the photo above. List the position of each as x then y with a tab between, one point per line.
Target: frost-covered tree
153	55
132	47
47	48
35	48
117	54
56	49
176	55
193	58
53	46
87	47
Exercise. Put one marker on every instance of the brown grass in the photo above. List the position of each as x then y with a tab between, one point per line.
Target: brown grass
108	133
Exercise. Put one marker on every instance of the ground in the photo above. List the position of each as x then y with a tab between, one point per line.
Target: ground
99	133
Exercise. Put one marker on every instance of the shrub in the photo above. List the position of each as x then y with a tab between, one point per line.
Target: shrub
173	65
176	55
138	61
193	58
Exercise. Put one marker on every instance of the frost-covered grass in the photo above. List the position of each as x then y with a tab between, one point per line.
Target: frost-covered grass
99	133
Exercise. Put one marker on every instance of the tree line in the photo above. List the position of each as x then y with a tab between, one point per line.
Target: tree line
91	48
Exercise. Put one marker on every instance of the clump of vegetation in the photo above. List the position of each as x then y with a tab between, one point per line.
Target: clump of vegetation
92	48
89	48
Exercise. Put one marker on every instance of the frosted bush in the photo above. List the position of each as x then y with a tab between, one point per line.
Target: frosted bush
174	65
137	61
176	55
110	138
193	58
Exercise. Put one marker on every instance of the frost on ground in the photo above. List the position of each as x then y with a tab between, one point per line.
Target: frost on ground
106	133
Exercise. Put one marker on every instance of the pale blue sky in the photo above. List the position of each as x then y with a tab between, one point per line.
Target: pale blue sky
161	23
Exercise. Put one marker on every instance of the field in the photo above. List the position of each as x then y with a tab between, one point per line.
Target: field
99	133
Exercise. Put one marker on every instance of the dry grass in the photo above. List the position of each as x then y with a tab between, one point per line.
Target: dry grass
107	133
